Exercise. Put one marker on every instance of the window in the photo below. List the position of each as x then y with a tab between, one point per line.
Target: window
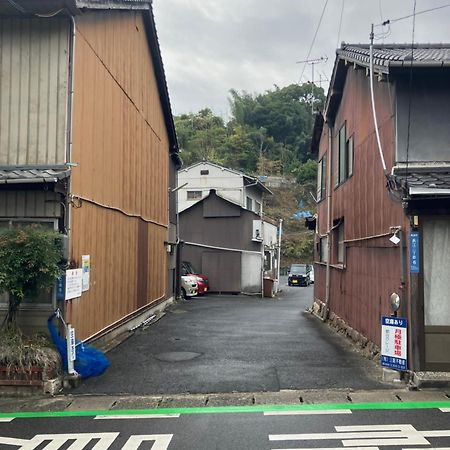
249	203
204	172
321	178
323	249
339	244
344	157
194	195
257	207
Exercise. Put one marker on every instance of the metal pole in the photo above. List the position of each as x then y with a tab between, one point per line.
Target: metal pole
280	229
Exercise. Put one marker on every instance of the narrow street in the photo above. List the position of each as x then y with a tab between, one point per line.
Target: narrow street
220	344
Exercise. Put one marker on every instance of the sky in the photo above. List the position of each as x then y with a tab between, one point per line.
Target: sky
211	46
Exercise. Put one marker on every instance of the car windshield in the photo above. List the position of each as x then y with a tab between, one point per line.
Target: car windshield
298	270
189	267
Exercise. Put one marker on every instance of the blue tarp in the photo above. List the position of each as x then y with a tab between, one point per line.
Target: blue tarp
90	362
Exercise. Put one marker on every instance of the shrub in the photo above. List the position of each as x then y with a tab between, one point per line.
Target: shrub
29	262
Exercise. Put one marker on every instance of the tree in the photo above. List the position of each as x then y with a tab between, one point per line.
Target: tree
29	262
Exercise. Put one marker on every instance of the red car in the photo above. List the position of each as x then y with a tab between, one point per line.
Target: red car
202	280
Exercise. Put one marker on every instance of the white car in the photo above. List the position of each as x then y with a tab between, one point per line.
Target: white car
311	276
189	286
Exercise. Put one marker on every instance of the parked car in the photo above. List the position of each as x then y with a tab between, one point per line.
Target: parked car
202	280
299	275
189	287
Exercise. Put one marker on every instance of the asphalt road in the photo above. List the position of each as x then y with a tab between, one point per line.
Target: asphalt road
219	344
406	429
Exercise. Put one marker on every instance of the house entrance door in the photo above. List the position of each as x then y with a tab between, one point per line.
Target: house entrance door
436	254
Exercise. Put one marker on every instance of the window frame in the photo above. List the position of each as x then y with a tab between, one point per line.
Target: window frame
344	156
321	178
197	195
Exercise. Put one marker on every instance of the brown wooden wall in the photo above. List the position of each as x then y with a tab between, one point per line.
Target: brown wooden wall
121	145
359	291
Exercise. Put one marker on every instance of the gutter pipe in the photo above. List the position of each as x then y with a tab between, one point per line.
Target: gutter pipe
325	310
372	98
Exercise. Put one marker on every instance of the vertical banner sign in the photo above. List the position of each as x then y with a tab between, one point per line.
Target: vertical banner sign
393	343
71	348
414	261
86	266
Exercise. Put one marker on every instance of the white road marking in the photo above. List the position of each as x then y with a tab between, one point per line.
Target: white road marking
363	436
13	441
162	441
307	413
6	419
56	441
338	448
445	409
138	416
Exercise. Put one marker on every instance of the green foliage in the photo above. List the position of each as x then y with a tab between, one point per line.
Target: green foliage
299	250
306	173
29	262
268	133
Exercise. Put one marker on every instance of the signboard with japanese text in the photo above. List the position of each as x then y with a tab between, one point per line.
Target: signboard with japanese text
74	283
393	343
414	259
86	266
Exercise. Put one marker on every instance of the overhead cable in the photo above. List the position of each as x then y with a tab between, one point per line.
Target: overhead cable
314	39
386	22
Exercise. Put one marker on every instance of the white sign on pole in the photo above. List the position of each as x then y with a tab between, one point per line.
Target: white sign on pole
86	266
393	343
72	354
74	283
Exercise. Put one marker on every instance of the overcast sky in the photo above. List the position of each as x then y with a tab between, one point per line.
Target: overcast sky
211	46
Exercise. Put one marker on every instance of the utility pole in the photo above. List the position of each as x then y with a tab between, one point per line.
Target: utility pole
312	63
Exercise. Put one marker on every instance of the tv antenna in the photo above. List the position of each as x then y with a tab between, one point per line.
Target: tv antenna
312	62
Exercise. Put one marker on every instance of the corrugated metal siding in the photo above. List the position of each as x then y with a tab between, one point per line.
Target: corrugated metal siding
359	293
33	90
122	149
29	204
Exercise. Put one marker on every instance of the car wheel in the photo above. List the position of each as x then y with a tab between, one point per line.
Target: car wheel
183	293
289	283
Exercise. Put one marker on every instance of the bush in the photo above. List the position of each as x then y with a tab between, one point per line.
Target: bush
29	262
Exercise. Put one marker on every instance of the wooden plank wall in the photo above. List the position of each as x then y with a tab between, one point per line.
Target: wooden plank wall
360	292
121	145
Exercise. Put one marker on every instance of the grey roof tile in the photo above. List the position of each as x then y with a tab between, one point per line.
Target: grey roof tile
32	175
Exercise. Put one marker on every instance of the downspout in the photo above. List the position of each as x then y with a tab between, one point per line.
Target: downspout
69	143
325	309
280	230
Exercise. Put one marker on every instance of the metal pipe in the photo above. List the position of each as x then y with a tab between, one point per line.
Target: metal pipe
329	226
280	229
372	98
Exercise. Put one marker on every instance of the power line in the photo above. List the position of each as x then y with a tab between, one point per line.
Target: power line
386	22
340	23
410	89
314	39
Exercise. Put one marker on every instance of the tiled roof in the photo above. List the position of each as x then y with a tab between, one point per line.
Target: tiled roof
424	181
16	176
395	55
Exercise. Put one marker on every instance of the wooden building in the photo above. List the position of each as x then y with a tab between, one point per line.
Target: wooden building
88	145
361	204
228	243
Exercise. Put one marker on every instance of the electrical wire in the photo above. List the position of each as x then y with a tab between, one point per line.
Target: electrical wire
408	136
340	24
314	39
16	6
415	14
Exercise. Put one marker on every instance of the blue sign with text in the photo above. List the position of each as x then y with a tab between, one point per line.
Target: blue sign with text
394	343
414	259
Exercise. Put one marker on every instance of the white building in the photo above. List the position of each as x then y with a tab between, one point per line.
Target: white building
232	185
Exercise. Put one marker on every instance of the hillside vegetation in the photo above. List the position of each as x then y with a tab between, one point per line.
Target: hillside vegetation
268	134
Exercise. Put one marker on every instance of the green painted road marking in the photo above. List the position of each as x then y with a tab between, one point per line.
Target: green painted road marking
233	409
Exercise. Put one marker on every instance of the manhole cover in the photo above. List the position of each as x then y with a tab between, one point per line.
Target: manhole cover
177	356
